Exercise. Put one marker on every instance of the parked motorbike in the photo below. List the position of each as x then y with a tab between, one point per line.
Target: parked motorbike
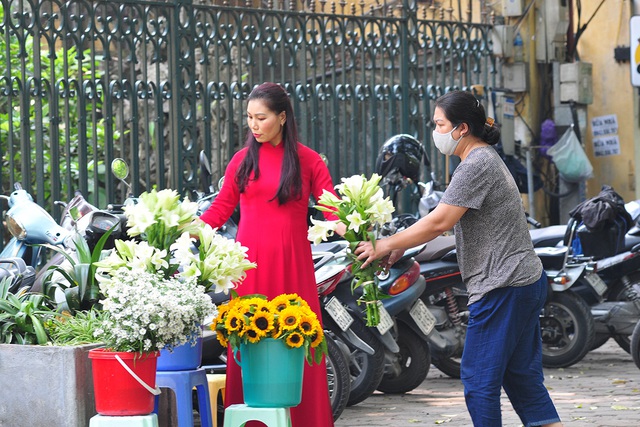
388	357
635	345
590	300
30	225
19	275
60	277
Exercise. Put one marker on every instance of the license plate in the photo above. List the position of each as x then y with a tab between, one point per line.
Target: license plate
338	313
386	322
596	283
423	317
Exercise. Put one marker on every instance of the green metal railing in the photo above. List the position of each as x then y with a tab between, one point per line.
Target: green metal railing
156	82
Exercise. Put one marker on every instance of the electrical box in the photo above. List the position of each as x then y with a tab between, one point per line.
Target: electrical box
576	82
502	40
511	7
505	108
552	22
514	76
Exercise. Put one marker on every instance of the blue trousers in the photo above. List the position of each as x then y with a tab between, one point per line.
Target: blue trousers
503	349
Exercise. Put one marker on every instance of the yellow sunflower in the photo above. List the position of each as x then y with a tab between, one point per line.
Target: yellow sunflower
234	321
317	338
289	318
306	325
283	301
245	306
262	322
250	334
294	340
223	309
222	339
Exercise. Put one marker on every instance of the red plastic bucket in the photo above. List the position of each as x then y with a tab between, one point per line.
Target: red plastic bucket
117	391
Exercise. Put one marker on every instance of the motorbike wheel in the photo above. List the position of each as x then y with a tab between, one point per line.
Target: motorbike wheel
599	341
448	365
635	345
414	360
567	329
338	377
622	293
366	369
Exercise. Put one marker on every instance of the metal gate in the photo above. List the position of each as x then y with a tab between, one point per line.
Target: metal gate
157	82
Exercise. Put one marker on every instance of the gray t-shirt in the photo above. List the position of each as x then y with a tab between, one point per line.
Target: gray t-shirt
492	239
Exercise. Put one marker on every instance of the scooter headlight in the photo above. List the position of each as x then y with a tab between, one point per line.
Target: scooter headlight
15	228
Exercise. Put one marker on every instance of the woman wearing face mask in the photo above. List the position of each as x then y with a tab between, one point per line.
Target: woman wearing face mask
504	277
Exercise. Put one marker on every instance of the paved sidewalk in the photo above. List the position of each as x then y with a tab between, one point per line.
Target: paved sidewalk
602	390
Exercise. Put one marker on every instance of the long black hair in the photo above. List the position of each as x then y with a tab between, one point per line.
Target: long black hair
463	107
276	99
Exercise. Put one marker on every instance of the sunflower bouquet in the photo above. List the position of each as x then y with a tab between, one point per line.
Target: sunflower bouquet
287	317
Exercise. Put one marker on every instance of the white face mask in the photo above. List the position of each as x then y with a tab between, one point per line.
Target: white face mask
445	142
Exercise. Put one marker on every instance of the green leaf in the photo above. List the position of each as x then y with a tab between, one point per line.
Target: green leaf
82	249
41	335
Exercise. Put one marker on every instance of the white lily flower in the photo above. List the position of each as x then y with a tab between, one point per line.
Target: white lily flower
321	230
355	221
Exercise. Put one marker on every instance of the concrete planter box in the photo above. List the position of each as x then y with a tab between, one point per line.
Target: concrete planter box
46	386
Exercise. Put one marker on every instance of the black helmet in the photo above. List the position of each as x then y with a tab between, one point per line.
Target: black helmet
402	153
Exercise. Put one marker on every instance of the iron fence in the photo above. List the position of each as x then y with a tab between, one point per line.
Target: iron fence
156	82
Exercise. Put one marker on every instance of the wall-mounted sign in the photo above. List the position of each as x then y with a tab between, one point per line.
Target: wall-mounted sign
604	131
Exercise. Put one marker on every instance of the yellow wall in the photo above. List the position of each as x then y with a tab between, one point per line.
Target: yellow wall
612	93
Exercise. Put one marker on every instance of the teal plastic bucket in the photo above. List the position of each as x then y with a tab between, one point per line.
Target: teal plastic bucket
271	374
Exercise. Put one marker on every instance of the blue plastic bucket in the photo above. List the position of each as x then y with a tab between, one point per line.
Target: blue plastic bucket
271	374
184	357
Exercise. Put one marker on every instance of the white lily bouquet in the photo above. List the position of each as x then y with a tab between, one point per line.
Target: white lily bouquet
165	226
161	252
361	207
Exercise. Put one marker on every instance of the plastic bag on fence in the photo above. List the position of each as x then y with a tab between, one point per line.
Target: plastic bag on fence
570	159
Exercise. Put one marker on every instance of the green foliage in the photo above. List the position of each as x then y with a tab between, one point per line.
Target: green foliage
22	64
22	316
78	329
78	283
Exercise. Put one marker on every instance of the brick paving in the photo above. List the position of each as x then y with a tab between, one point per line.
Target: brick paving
601	390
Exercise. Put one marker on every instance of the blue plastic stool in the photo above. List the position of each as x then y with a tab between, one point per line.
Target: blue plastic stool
150	420
182	384
238	415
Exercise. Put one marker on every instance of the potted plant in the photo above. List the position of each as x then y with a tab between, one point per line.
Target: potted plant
143	313
283	330
42	383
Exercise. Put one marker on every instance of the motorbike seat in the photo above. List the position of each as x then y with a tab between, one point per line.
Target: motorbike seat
631	241
437	248
548	236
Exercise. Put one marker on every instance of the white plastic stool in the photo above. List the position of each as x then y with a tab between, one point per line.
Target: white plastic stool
238	415
150	420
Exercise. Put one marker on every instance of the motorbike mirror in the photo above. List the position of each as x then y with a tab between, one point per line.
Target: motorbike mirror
205	171
120	169
220	183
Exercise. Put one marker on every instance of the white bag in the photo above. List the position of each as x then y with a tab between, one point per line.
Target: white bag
570	159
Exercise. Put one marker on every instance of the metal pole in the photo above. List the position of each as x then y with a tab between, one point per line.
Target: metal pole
530	189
